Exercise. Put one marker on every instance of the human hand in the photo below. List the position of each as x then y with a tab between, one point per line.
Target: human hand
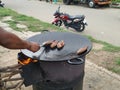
33	46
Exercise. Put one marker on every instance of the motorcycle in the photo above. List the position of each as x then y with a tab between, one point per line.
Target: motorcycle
1	4
77	22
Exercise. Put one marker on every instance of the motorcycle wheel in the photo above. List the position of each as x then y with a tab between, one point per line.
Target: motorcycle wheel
81	28
58	23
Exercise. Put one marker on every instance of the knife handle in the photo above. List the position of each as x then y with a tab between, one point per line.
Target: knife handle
37	54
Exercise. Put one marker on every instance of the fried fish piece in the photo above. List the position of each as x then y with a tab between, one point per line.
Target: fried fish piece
48	43
82	50
60	44
54	44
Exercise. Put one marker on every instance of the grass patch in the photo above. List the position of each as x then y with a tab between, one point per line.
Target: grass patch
32	24
118	61
6	12
115	1
107	46
12	24
110	47
115	69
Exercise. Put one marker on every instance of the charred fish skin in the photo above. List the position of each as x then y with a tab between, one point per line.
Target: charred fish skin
60	44
82	50
54	44
47	43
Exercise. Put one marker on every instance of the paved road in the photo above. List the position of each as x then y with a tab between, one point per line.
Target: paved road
104	23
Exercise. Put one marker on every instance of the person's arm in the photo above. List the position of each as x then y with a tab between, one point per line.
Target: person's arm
11	41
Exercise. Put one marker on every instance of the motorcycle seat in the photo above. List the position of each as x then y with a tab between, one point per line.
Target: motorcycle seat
76	17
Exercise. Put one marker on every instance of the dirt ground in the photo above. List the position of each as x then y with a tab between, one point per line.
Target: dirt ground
104	58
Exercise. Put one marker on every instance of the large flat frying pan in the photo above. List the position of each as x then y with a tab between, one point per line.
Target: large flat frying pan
72	41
